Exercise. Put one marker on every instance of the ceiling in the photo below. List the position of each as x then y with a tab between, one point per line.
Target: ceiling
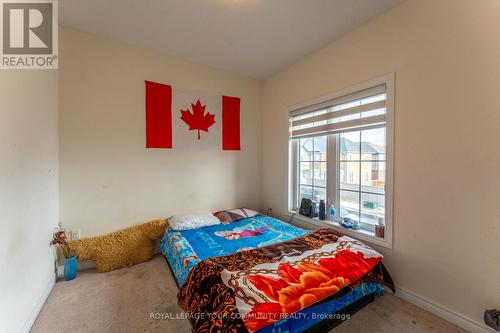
256	38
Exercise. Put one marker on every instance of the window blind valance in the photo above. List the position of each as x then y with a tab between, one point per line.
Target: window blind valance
357	111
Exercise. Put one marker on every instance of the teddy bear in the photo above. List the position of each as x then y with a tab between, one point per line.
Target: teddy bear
122	248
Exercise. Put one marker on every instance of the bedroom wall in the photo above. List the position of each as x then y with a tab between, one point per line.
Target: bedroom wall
446	57
108	180
28	193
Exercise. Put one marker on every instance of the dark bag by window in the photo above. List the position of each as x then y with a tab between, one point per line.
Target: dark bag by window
308	208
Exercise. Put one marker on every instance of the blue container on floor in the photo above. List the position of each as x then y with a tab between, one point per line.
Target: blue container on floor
70	268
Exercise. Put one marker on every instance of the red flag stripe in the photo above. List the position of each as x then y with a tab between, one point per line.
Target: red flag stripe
230	123
158	115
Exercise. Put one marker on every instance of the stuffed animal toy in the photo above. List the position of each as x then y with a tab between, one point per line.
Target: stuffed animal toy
122	248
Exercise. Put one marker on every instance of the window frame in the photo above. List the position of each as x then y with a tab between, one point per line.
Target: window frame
313	162
333	181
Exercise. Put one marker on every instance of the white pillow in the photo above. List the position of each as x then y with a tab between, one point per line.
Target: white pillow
192	221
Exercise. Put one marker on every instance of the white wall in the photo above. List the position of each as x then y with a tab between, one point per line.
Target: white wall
28	192
446	56
108	180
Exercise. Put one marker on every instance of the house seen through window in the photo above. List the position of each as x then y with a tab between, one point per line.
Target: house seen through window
339	154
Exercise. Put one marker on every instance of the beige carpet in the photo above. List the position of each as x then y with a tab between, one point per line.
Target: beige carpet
123	301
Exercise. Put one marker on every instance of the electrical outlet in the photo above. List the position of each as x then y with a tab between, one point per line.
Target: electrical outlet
74	234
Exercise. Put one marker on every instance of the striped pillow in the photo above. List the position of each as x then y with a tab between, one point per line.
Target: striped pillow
233	215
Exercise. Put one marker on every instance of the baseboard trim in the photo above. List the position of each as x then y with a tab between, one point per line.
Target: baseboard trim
443	312
39	304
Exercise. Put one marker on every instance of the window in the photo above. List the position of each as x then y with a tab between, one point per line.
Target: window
312	168
362	198
341	152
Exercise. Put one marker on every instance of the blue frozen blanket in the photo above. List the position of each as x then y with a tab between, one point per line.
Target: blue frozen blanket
186	248
250	233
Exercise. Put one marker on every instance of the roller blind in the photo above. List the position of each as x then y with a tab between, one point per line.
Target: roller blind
361	110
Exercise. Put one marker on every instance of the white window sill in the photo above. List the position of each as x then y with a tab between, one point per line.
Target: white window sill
360	234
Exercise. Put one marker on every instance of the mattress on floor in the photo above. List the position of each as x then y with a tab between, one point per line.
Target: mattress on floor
184	249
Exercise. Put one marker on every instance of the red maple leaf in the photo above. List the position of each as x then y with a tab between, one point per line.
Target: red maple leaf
198	120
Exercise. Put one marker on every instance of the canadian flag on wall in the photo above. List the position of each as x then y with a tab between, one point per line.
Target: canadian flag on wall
187	119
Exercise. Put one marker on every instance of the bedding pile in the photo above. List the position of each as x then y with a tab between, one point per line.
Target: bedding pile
251	289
